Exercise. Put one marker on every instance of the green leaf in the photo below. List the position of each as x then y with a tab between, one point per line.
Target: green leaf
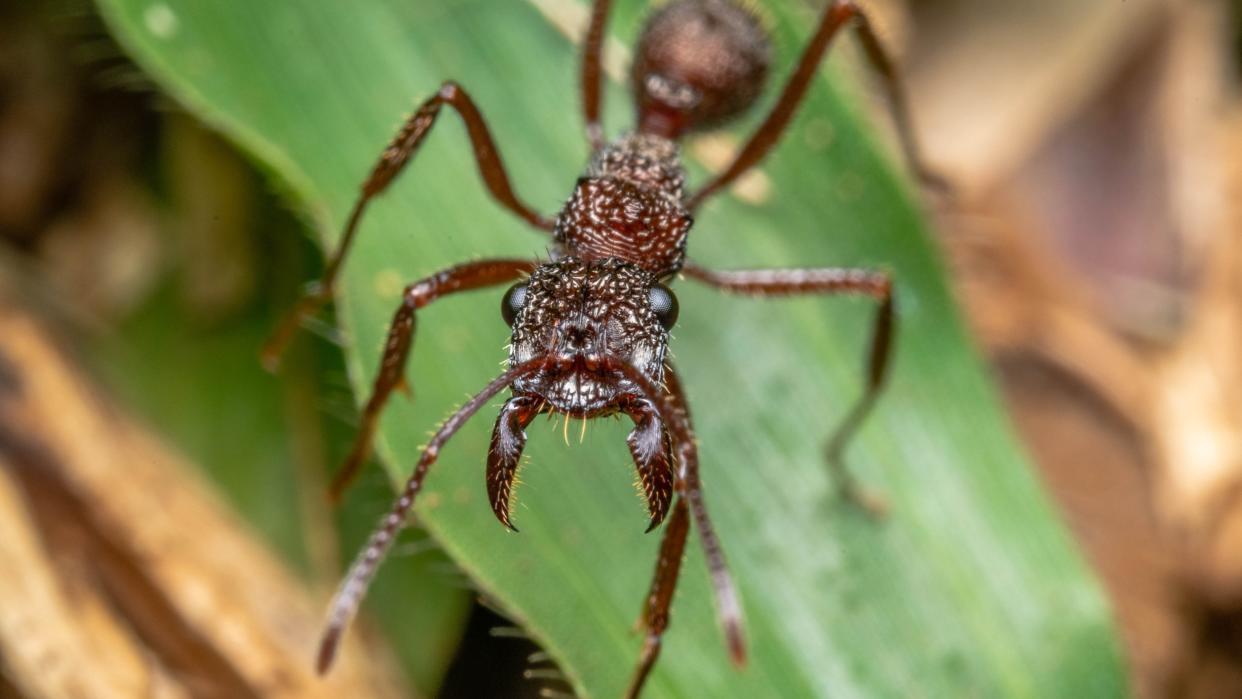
970	588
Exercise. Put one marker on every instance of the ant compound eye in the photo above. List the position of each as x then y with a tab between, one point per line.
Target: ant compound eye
512	302
664	304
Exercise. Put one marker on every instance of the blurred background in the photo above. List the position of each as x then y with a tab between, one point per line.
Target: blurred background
1094	248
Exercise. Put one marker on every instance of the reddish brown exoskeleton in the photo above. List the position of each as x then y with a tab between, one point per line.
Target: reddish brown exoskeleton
590	326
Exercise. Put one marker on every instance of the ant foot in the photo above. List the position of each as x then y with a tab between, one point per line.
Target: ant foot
870	504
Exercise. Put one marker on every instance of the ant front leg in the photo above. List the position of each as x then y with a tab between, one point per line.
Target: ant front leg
655	614
670	404
399	152
353	588
465	277
654	618
789	282
836	15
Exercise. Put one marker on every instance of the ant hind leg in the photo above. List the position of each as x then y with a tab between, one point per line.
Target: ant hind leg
837	15
592	69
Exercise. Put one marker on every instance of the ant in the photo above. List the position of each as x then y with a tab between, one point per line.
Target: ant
590	326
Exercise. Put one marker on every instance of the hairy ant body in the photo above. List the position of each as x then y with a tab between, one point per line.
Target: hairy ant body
590	326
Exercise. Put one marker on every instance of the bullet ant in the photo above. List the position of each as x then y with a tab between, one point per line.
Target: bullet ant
591	325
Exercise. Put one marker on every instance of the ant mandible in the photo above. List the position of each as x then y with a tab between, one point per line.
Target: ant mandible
590	326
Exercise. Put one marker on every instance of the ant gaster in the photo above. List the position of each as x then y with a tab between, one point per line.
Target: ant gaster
591	325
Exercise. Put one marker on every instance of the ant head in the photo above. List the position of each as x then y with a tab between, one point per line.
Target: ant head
699	63
587	316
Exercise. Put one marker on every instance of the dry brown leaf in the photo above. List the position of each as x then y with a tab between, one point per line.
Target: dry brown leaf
121	573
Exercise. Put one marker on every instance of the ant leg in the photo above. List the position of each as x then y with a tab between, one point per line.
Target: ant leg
788	282
394	158
465	277
689	488
672	382
353	588
835	16
674	411
655	616
592	96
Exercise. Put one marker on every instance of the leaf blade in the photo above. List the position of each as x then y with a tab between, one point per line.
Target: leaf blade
920	605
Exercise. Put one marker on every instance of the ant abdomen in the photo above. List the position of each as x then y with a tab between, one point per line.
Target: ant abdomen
699	63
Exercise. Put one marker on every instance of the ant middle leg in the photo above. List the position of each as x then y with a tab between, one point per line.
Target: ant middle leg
399	152
465	277
829	280
837	15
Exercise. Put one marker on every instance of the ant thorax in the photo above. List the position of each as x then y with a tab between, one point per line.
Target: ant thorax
587	316
629	205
